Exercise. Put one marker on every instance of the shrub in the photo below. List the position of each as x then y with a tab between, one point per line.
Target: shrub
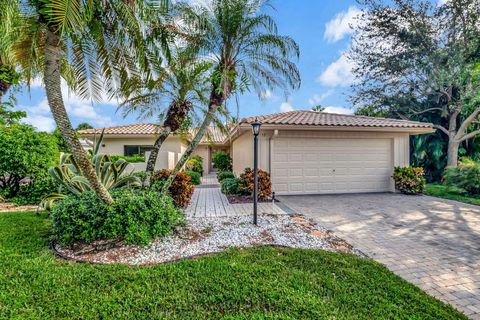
137	217
231	186
224	175
222	161
35	191
132	159
24	153
181	189
465	176
195	163
195	177
264	184
409	180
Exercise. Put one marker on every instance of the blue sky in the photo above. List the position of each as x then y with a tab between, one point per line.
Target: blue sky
321	28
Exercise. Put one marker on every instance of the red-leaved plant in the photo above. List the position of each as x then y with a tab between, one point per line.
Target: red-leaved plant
264	184
181	189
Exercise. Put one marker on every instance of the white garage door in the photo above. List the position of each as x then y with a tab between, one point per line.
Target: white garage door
315	166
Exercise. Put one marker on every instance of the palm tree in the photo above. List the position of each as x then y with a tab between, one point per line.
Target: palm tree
246	49
182	84
91	45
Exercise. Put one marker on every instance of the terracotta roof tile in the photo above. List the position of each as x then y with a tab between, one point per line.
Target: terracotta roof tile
312	118
140	129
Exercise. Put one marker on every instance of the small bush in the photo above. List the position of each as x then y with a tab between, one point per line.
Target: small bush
195	177
132	159
222	161
137	217
465	176
409	180
231	186
33	192
224	175
264	184
195	163
181	189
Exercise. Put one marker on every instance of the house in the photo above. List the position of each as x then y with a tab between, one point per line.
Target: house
306	152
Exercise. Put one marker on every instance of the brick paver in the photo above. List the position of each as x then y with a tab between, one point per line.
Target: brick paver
431	242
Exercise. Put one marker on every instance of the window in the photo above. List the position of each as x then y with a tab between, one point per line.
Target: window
136	150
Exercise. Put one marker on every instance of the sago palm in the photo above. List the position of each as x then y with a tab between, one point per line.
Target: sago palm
180	86
245	48
94	45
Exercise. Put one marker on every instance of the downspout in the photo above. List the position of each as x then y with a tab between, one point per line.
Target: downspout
274	135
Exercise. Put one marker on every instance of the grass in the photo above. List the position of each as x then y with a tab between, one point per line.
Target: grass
451	193
260	283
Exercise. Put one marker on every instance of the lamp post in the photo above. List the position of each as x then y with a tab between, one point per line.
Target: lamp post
256	130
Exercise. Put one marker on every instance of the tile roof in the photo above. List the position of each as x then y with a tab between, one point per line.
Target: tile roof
140	129
213	135
313	118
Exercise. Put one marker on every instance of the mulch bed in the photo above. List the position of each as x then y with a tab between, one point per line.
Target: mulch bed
11	207
245	199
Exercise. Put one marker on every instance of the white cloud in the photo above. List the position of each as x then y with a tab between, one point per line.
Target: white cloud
41	122
341	25
441	2
266	94
316	98
340	110
338	73
286	106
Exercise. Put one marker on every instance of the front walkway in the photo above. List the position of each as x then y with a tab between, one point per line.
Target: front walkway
431	242
208	201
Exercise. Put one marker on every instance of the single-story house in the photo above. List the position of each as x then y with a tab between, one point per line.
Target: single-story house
306	152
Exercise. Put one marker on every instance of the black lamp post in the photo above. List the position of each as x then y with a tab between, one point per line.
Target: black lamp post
256	130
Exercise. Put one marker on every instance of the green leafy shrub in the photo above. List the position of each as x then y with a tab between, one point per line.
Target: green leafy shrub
195	177
137	217
465	176
264	183
409	180
24	153
231	186
195	163
181	189
132	159
222	161
225	175
35	191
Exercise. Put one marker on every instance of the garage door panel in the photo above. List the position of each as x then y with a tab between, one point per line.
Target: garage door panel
313	165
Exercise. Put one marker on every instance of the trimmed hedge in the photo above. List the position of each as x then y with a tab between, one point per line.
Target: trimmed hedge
195	177
136	216
231	186
225	175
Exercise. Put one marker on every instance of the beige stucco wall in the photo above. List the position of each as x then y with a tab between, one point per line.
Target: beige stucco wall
169	154
242	147
203	151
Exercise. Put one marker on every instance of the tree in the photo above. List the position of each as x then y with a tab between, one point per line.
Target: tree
91	45
245	49
24	153
182	85
425	60
318	108
83	126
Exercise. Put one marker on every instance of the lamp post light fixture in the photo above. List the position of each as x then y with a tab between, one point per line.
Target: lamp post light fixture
256	130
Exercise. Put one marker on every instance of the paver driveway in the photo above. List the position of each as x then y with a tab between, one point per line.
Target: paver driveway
431	242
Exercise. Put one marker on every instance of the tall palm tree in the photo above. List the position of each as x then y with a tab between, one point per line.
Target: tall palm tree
182	84
92	44
245	48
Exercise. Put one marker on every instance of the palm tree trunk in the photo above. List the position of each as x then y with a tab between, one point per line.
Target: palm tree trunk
55	101
152	159
196	140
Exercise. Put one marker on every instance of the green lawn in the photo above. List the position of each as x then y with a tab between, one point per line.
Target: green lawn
261	283
452	193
